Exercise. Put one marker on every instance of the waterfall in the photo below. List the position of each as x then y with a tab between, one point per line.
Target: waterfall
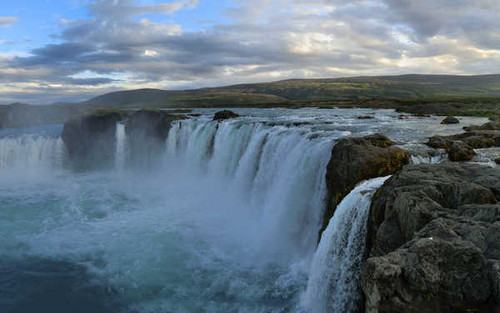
333	284
121	148
279	170
29	151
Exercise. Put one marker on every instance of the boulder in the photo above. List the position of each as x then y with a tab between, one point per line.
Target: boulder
497	160
434	241
147	131
224	115
90	140
460	151
450	120
356	159
365	117
438	142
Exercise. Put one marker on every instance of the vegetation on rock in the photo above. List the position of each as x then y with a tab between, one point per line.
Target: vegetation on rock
356	159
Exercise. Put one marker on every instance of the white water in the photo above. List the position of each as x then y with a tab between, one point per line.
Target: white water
419	159
228	222
279	172
333	284
121	147
31	151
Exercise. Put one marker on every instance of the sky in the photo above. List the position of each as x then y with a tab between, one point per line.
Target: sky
69	51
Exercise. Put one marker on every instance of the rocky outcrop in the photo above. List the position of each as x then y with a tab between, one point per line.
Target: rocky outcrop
357	159
461	147
224	115
450	120
146	132
434	241
460	151
90	140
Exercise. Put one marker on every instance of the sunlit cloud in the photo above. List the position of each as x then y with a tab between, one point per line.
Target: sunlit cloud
6	21
128	44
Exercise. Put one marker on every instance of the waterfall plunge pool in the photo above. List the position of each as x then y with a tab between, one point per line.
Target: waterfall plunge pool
226	221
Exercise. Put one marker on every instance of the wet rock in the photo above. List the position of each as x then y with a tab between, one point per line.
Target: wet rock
438	142
460	151
356	159
224	115
147	131
492	125
450	120
365	117
90	140
478	142
497	160
434	241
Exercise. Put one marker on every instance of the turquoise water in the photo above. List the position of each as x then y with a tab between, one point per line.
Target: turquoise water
228	227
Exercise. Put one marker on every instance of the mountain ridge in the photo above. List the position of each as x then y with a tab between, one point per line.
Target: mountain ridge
322	89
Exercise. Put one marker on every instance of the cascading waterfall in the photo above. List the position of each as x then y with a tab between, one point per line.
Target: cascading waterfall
121	146
31	151
280	170
226	220
333	284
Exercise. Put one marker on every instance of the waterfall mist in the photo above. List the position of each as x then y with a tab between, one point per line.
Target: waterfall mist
217	217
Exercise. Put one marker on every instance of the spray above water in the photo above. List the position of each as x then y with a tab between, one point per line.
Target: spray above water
226	221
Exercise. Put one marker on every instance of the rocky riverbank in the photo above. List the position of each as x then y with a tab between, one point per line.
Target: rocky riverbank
434	241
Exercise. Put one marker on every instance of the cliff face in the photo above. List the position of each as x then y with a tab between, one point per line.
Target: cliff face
434	241
356	159
90	140
147	131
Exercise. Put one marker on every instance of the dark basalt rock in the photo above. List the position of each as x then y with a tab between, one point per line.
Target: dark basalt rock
460	151
460	147
438	142
146	132
356	159
224	115
90	140
450	120
434	241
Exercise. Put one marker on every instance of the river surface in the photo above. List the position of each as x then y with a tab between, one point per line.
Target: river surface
226	220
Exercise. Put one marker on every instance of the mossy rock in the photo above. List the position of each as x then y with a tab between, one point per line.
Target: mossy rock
356	159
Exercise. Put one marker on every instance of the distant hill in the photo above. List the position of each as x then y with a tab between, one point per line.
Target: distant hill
303	90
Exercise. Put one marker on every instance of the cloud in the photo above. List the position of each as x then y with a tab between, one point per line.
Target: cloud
6	21
122	45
